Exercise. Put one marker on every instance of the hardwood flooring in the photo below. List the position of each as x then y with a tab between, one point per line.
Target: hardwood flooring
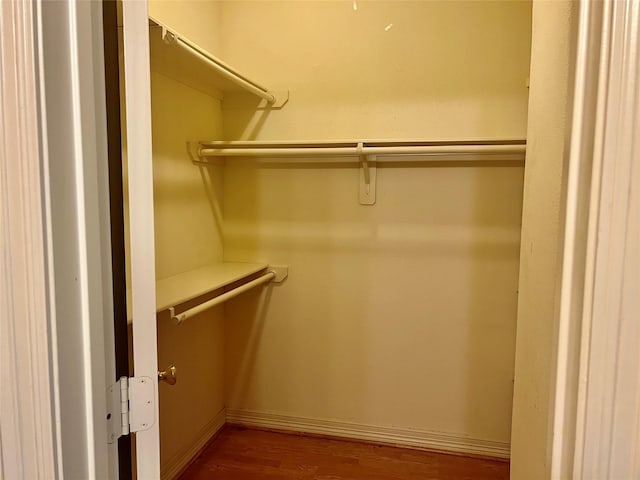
245	454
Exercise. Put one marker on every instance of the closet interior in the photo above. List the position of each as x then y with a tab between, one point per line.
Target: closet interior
338	200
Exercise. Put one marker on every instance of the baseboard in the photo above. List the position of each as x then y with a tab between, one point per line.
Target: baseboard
443	442
176	464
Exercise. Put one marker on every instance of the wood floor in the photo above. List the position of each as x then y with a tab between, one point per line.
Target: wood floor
245	454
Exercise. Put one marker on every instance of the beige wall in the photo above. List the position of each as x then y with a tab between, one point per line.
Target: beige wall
198	20
540	257
425	69
400	314
188	235
188	229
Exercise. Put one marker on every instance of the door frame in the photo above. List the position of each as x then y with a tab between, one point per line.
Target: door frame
28	401
597	341
57	331
596	410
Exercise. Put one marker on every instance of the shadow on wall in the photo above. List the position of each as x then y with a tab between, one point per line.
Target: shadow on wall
212	187
250	119
488	335
287	352
188	408
249	317
401	314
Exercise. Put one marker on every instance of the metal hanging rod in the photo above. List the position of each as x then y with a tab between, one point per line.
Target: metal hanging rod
181	317
276	274
367	153
218	65
505	150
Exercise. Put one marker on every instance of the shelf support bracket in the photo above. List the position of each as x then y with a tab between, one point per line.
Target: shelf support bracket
368	174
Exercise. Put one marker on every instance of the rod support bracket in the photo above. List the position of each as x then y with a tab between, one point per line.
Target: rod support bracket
193	149
368	176
281	272
177	319
168	36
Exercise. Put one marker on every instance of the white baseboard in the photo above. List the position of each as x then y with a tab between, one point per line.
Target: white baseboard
176	464
443	442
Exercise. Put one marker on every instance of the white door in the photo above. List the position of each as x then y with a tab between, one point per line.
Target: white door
141	231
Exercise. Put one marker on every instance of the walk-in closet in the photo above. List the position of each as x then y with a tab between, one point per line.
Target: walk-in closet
338	233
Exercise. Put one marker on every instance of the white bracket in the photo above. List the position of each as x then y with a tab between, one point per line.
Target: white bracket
176	319
193	149
168	36
368	176
130	406
282	98
281	271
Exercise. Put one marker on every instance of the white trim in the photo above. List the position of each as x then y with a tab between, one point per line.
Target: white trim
608	400
173	467
27	396
575	268
75	177
597	402
91	143
403	437
141	221
53	334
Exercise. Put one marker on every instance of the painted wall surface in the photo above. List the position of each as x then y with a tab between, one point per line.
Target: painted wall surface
389	69
188	223
188	235
540	257
188	227
198	20
403	313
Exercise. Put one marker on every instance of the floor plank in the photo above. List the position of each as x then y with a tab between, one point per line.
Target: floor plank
245	454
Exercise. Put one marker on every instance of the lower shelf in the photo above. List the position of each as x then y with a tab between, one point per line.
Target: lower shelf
181	288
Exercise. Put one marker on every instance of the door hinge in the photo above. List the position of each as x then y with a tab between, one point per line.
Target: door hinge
130	406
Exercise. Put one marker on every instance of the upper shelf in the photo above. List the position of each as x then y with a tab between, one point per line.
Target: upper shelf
178	57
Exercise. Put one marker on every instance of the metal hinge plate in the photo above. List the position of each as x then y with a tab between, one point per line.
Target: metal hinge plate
130	406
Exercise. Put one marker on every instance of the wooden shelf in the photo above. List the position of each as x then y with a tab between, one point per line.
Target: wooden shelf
184	61
174	63
181	288
186	286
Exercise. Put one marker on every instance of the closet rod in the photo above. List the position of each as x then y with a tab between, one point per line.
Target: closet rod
181	317
219	66
362	149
